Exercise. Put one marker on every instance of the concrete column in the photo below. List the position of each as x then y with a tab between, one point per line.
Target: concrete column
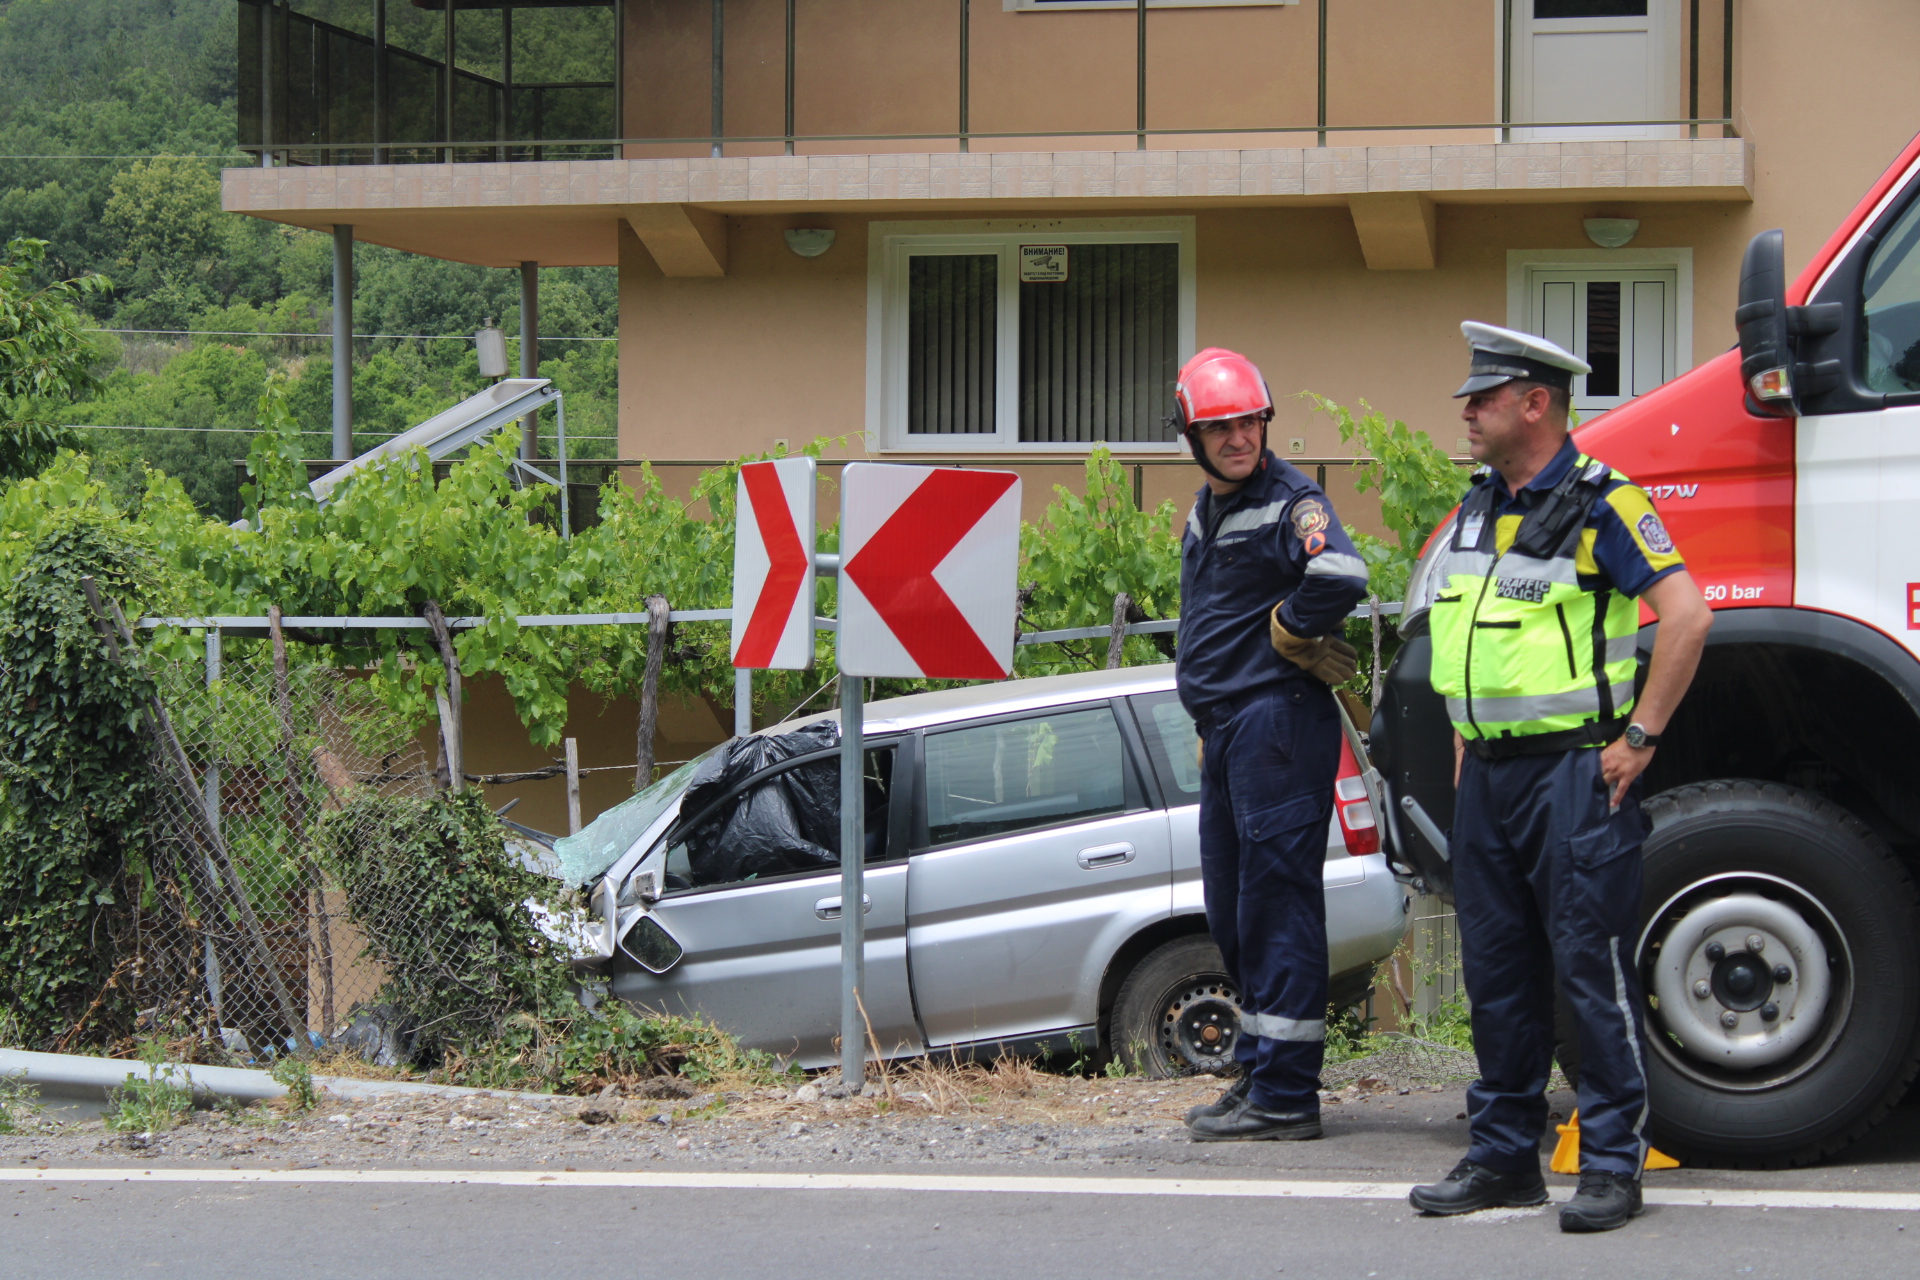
530	353
342	342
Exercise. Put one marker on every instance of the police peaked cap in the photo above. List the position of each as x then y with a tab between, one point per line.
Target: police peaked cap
1501	355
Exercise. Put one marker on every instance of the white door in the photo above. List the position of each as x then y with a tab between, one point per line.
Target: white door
1601	60
1625	323
1857	475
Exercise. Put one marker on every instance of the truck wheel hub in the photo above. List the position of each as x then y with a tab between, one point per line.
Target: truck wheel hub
1742	981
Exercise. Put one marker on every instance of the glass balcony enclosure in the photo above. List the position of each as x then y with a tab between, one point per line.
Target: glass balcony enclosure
421	81
399	81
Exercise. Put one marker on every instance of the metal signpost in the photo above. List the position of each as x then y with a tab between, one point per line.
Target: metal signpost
927	568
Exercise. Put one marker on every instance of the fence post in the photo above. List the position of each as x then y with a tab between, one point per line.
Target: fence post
1373	606
447	700
650	690
319	936
212	787
573	786
1117	639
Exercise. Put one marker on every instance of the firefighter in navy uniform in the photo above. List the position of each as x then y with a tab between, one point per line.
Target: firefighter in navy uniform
1267	576
1534	627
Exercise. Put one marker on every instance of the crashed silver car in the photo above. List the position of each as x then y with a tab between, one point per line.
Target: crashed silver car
1032	881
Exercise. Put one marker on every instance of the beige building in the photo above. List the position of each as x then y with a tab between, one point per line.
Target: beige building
992	229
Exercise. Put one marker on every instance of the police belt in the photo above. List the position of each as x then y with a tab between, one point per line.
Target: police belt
1510	747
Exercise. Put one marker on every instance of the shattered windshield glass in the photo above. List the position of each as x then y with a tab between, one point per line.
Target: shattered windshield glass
600	844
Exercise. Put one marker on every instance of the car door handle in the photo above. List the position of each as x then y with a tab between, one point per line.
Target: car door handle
829	908
1106	855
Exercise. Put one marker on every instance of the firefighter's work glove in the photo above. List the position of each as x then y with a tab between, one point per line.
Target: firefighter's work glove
1329	658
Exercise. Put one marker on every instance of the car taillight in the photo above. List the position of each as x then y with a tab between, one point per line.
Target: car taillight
1350	802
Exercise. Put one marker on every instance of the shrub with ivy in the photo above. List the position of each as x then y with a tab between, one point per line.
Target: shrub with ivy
440	901
75	790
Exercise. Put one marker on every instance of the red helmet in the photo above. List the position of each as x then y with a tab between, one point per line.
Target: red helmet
1219	383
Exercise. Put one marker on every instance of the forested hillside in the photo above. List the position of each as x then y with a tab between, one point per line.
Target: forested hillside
116	117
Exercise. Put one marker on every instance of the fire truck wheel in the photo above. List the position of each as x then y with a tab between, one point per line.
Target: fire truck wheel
1781	961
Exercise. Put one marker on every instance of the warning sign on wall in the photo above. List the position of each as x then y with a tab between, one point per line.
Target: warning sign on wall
1043	263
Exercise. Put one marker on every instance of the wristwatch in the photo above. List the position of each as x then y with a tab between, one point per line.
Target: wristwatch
1639	739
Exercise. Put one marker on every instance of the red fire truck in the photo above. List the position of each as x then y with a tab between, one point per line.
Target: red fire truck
1780	945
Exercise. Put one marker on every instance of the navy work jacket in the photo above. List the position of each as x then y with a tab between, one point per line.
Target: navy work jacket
1276	538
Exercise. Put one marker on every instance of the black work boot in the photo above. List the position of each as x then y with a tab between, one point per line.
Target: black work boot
1474	1186
1225	1102
1604	1202
1244	1122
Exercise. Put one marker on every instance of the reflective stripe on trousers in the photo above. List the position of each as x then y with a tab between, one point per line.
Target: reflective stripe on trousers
1274	1027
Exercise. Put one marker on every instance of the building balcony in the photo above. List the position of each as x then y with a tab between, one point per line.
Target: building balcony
331	82
568	213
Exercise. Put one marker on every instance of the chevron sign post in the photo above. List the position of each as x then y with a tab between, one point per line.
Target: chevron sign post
928	563
773	566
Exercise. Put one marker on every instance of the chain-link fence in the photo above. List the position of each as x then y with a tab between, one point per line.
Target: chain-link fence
240	930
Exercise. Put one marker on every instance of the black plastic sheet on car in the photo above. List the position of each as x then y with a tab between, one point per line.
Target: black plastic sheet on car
788	823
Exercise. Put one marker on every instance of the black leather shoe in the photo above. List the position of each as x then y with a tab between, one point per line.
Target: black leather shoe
1225	1102
1603	1202
1244	1122
1474	1186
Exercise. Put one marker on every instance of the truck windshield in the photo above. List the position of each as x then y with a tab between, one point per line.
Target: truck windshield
1891	299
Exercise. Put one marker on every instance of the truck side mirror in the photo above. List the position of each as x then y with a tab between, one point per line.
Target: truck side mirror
1766	352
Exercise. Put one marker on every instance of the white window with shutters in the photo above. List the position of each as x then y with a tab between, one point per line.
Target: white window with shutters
1027	337
1626	312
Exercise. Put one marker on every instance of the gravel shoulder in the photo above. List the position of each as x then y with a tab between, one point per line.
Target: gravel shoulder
1043	1124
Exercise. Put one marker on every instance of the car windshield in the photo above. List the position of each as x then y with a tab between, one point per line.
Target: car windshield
600	844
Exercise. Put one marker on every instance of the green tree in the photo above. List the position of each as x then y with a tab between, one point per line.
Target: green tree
44	356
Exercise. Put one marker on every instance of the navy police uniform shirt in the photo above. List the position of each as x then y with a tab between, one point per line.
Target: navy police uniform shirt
1276	537
1624	546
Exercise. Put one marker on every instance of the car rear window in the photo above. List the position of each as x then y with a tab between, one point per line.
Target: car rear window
1173	744
1014	775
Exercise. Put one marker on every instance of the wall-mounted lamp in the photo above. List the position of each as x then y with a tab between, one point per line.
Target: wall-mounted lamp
491	346
1612	233
810	242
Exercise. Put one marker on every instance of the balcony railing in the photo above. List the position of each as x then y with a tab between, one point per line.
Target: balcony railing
311	92
314	93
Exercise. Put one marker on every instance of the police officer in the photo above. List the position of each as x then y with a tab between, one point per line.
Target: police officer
1534	629
1267	576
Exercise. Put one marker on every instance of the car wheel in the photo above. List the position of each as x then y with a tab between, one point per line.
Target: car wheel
1782	975
1177	1013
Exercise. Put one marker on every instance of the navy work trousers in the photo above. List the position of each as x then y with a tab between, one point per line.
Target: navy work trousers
1266	792
1547	883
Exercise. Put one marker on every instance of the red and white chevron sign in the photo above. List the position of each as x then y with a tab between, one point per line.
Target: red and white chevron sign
773	565
928	562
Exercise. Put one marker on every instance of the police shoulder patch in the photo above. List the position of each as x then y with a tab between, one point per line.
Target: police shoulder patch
1655	535
1310	516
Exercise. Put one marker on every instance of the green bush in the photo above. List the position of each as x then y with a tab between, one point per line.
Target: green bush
440	902
75	792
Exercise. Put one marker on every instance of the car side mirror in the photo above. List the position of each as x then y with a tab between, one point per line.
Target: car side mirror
648	944
1766	349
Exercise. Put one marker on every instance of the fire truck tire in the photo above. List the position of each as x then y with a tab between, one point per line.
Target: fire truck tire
1755	1061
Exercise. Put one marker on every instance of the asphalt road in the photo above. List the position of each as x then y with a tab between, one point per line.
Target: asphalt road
1149	1208
96	1229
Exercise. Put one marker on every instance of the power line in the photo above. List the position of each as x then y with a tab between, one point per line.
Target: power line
248	431
163	155
248	333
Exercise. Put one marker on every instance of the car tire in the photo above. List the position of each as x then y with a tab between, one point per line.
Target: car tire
1840	1045
1174	1000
